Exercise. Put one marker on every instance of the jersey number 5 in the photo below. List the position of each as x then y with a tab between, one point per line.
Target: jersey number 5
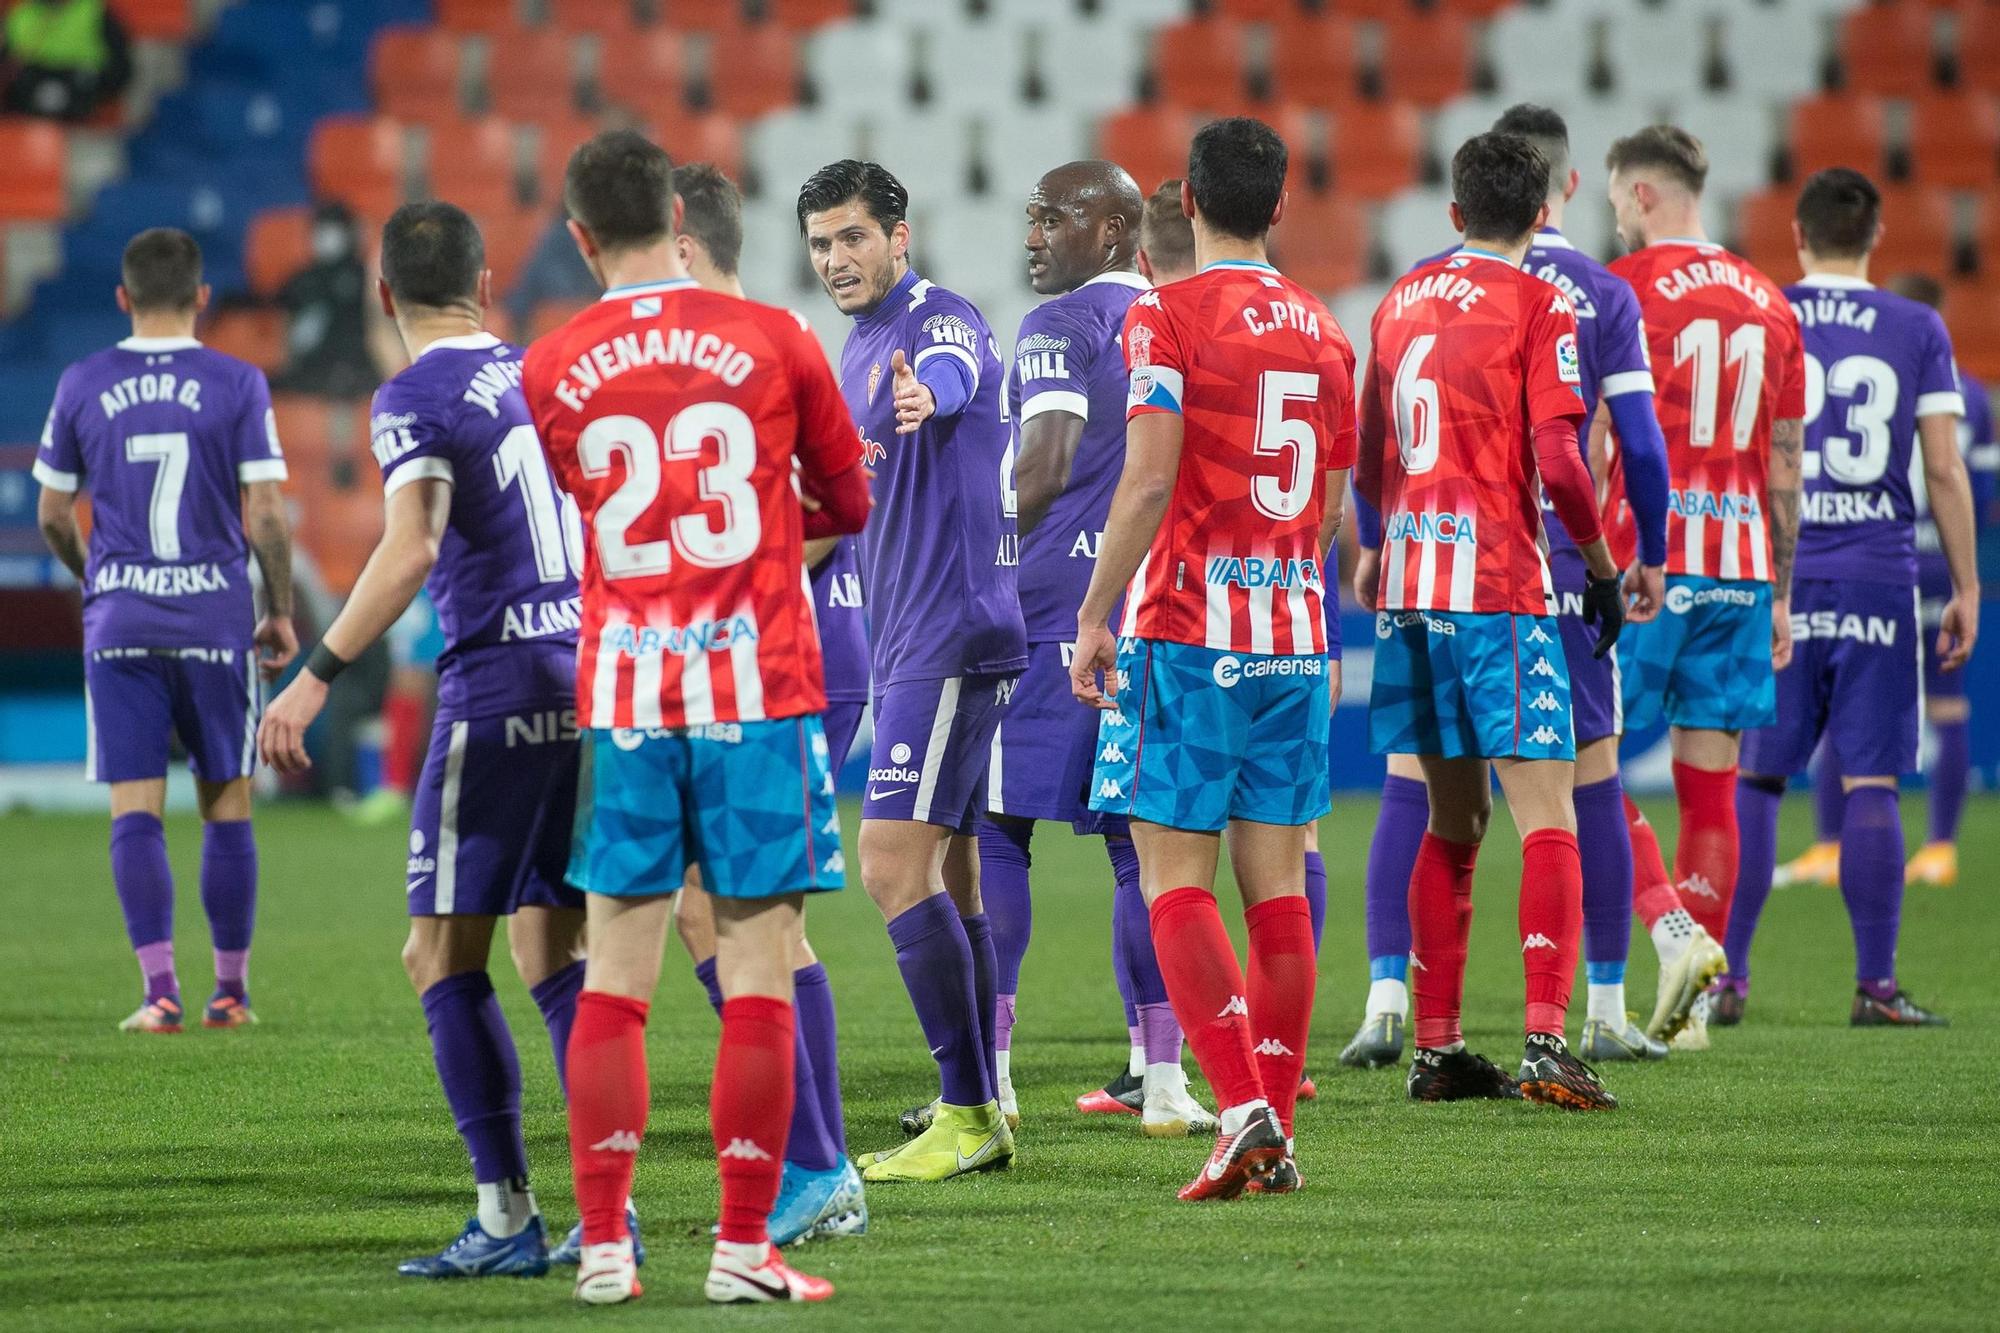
1272	494
711	544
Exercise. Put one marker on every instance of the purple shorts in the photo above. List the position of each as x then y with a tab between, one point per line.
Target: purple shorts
490	825
932	742
1596	699
1933	592
1855	678
137	699
842	723
1044	748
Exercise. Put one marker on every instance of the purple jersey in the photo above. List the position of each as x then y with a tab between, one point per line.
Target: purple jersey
1982	461
163	433
842	617
505	580
1875	362
938	556
1068	359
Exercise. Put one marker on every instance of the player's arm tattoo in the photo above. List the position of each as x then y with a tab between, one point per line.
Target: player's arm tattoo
55	512
1788	440
270	534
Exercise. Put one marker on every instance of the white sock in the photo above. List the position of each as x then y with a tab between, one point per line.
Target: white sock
751	1256
1000	1069
1164	1076
505	1207
1135	1063
1236	1117
1388	996
1607	1004
1672	934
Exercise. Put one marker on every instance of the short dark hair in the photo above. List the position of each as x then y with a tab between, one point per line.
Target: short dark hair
161	270
1918	287
1546	130
1237	168
1838	211
1499	182
848	180
1668	147
432	254
620	188
1165	233
711	212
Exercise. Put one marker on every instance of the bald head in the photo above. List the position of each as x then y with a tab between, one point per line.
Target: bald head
1083	220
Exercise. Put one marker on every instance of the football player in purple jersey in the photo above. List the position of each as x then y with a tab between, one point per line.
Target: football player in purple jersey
177	447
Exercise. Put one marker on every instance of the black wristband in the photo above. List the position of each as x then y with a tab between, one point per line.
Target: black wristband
324	663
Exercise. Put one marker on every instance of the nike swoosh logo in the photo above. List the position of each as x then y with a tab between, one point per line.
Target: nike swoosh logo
935	1050
776	1289
985	1150
416	883
885	795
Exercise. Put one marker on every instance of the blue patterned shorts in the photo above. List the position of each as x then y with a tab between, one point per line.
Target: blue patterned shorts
1705	662
1461	684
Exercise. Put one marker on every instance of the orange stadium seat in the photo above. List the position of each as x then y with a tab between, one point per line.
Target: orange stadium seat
1257	11
1838	130
1978	46
34	152
1917	231
414	73
1150	142
1886	49
547	316
703	136
1427	57
1322	242
252	334
1376	148
532	76
1764	233
557	139
702	15
1201	62
359	161
340	527
305	433
1955	139
473	164
753	69
1477	9
607	18
485	18
807	13
1314	60
156	20
644	75
510	238
277	245
1383	11
1972	312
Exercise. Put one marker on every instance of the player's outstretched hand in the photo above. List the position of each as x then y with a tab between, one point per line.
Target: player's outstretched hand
1096	651
1645	593
1604	607
1367	576
1957	632
1781	633
277	644
281	737
914	403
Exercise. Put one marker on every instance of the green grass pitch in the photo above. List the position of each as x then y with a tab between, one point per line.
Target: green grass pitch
1801	1175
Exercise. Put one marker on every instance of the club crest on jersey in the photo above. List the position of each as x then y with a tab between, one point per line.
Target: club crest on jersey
1568	368
874	380
1139	344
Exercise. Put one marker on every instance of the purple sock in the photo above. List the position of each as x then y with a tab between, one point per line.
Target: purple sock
1606	843
1316	894
1003	1022
1871	880
1003	892
145	885
1392	859
1160	1034
1757	802
1828	799
480	1073
555	995
1949	770
808	1146
812	998
704	972
985	989
935	958
1133	925
229	897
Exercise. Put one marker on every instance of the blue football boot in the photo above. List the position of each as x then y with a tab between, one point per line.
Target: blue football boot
805	1200
476	1254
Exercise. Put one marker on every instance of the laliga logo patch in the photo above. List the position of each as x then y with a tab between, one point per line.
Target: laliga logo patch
1568	368
1228	670
874	380
1139	349
899	753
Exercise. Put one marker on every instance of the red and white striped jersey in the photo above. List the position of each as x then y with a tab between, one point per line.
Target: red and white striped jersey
1263	379
677	417
1727	362
1469	355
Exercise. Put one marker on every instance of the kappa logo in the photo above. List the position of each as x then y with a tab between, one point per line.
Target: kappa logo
744	1150
1110	790
1538	635
1112	753
1416	962
1698	885
618	1140
832	825
835	865
1545	703
1537	940
1235	1007
1270	1046
1542	668
1545	735
1114	717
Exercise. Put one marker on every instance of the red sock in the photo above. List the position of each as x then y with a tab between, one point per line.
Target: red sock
1282	973
1551	920
1705	859
607	1107
1205	984
1440	925
1653	893
750	1111
402	740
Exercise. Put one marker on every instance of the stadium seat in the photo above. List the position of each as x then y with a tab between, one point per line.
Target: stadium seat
1955	139
1534	53
1001	51
1972	312
645	75
1764	233
1017	152
473	163
1427	57
707	136
341	526
1322	242
1314	60
1150	142
1751	33
1658	52
834	53
1096	64
1257	11
1837	130
359	161
482	18
1737	132
702	15
34	152
256	335
549	315
1200	63
531	76
1414	225
808	13
555	140
1885	49
753	69
305	432
156	20
1375	148
510	238
1918	231
414	73
278	244
606	18
1976	48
